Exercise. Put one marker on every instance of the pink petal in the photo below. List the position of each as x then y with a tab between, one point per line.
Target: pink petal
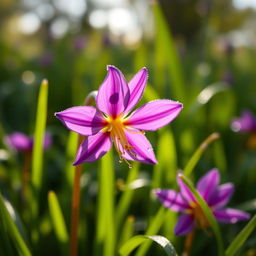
84	120
113	95
185	191
229	215
208	183
185	225
222	195
93	148
171	199
141	147
136	87
154	115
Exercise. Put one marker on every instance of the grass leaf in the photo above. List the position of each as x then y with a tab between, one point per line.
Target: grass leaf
8	228
58	222
197	155
153	229
41	116
239	240
105	237
136	241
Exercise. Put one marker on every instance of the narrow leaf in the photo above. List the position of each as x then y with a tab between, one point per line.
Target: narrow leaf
41	115
8	228
166	47
136	241
105	237
58	220
153	229
197	155
240	239
126	197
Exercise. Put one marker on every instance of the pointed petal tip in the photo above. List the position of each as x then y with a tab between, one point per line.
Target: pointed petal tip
109	67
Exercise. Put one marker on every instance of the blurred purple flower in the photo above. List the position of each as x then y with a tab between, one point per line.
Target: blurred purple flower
228	77
216	196
106	41
46	59
245	123
111	122
21	142
79	43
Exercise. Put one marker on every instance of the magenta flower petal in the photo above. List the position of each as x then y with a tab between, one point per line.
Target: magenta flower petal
185	225
171	199
221	196
136	87
185	191
113	95
154	114
208	183
142	150
229	215
93	148
84	120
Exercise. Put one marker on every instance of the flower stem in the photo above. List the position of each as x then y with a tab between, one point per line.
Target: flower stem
25	174
188	244
75	209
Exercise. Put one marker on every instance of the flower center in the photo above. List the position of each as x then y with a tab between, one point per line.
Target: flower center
199	216
116	128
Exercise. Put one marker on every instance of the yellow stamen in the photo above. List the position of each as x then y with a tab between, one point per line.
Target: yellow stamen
116	127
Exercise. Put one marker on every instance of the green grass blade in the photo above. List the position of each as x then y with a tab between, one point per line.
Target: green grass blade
105	219
239	240
136	241
41	116
127	230
37	157
9	229
208	214
165	46
197	155
126	197
165	171
153	229
58	222
71	150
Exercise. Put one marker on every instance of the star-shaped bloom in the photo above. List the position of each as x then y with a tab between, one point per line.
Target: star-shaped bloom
215	195
21	142
112	121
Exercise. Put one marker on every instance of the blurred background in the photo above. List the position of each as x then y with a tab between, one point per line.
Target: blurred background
199	52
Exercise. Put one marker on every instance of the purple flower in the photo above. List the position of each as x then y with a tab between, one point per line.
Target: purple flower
46	60
246	123
79	43
216	196
21	142
111	121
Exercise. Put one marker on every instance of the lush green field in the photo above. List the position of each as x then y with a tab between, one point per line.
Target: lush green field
199	66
